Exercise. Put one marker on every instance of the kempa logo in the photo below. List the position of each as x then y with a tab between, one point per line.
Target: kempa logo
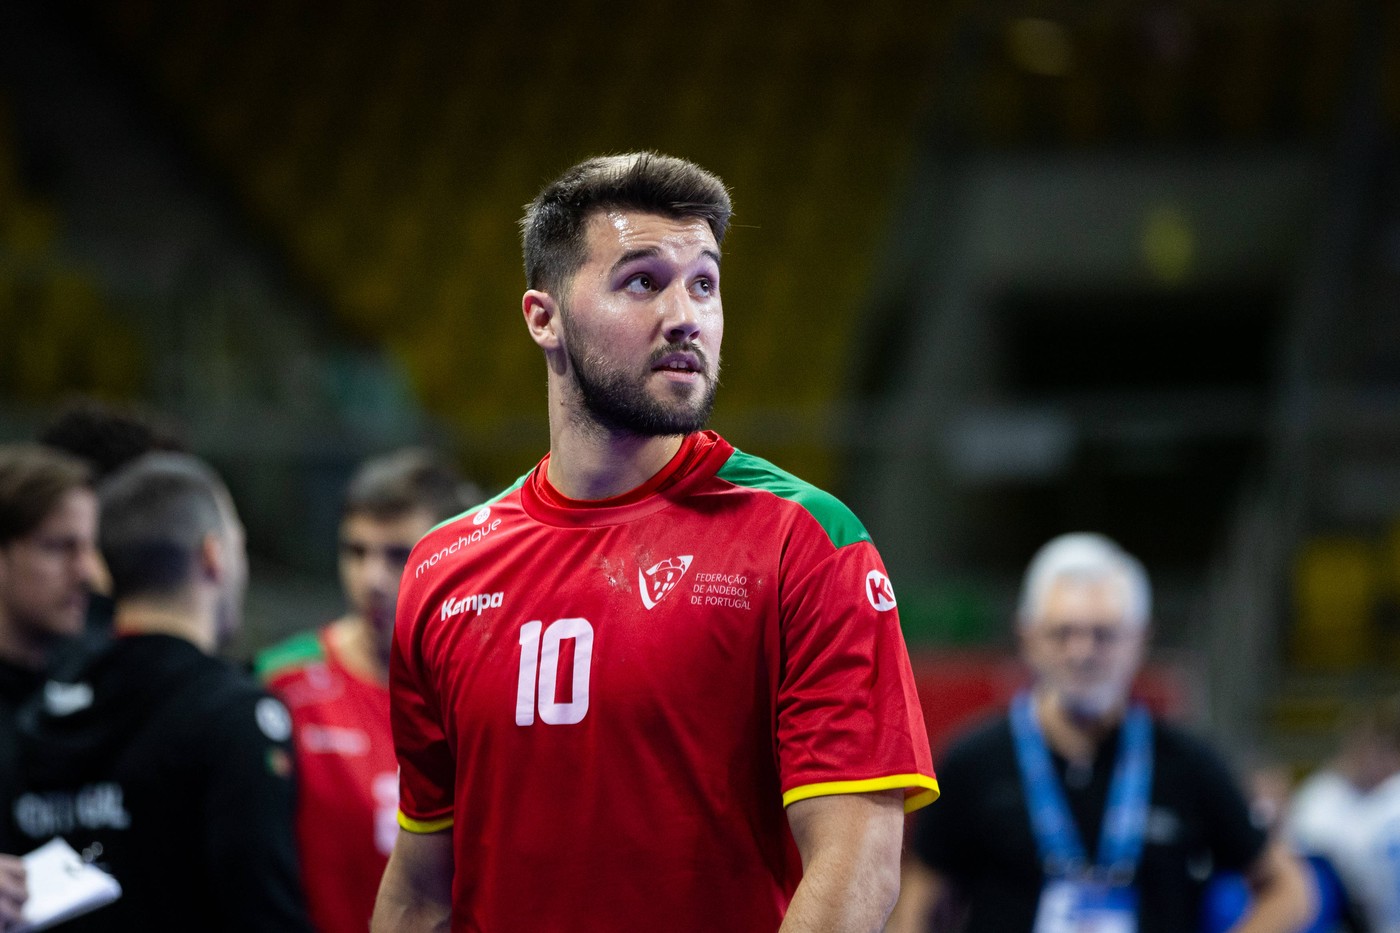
879	591
663	576
482	530
477	602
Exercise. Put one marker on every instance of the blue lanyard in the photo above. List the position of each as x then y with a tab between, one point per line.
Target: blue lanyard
1125	823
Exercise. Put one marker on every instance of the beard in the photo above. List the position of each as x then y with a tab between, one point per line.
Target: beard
1095	702
620	402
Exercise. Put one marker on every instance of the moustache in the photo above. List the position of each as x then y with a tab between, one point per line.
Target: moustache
685	346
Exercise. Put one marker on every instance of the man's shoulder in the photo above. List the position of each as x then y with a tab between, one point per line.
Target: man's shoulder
229	703
290	656
761	477
1183	756
474	526
1175	739
476	515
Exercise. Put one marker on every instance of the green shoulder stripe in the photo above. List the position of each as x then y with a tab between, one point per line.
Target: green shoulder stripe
839	522
491	501
295	651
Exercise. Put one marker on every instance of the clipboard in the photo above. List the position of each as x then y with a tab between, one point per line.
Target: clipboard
62	886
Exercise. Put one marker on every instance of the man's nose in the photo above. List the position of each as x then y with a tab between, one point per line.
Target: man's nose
680	316
92	571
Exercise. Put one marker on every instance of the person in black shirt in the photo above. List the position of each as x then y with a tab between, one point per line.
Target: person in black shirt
48	564
161	763
1022	842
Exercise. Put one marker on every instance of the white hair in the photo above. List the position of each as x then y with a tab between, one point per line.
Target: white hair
1084	556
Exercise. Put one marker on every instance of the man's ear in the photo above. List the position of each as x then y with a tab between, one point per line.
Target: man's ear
211	558
541	311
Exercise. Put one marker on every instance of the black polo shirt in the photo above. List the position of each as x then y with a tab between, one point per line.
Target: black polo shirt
978	834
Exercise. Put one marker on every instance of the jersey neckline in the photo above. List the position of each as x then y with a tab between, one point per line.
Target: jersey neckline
700	456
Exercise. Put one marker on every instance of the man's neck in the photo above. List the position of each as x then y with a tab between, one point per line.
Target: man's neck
587	462
165	617
353	640
1073	736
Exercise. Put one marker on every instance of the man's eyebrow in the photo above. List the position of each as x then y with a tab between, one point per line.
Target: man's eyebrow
651	251
634	254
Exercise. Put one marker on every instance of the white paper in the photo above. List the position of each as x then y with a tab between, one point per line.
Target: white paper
62	886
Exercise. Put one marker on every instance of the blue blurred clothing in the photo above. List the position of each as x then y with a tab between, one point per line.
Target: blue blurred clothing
1227	899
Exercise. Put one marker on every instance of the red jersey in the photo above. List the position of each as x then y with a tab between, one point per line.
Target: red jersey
612	702
347	781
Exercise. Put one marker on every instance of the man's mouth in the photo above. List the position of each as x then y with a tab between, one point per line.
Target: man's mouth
679	362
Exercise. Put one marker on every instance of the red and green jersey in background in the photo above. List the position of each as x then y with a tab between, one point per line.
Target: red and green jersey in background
347	784
612	702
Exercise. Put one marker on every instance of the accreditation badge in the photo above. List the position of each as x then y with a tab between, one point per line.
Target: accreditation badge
1068	906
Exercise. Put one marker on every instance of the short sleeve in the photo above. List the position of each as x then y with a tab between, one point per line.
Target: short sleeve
426	767
848	715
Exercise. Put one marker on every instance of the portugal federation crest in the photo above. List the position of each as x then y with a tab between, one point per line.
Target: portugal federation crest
661	578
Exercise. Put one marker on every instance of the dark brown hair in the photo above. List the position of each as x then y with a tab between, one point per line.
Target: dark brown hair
107	435
33	481
407	480
552	230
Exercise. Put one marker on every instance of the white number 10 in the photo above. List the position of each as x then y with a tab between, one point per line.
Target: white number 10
544	659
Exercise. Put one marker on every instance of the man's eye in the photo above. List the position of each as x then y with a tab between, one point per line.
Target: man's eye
396	556
353	550
704	287
639	283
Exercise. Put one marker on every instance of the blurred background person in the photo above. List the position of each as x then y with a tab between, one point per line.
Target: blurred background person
163	764
48	567
1369	861
1078	807
48	559
105	436
1346	814
1323	811
335	681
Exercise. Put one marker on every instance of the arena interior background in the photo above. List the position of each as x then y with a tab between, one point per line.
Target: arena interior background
998	270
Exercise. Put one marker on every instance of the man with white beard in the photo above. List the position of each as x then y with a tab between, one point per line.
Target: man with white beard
1077	810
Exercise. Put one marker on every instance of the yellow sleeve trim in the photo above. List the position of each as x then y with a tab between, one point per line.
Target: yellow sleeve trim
920	790
424	826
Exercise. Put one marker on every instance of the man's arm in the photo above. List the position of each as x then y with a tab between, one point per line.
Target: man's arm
248	815
1282	899
850	845
415	895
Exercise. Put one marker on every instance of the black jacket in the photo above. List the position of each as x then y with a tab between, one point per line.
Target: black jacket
171	770
17	685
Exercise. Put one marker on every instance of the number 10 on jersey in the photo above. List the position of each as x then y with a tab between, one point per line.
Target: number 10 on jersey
539	661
